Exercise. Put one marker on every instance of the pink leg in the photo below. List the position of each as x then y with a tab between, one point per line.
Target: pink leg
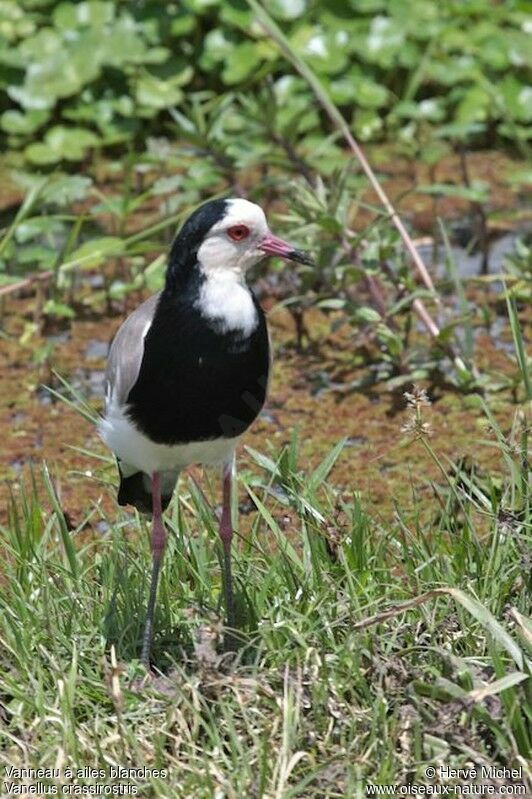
158	543
226	534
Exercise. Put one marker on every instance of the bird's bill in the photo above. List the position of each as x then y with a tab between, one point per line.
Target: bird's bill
273	245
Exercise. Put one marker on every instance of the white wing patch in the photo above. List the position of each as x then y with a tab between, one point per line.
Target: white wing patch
139	453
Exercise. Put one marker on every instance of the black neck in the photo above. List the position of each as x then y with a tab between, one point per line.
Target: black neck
182	267
183	260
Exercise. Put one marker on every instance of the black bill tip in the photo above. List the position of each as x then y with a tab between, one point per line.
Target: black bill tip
301	256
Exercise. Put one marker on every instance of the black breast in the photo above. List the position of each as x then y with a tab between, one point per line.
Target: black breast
196	383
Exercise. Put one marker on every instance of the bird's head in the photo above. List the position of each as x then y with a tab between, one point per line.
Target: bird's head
233	235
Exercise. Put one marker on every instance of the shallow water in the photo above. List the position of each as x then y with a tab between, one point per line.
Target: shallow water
96	349
469	264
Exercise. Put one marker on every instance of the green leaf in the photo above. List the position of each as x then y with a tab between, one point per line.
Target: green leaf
367	124
369	94
235	13
331	304
37	255
61	68
156	93
431	109
32	227
70	550
94	252
489	622
496	687
287	9
61	143
517	98
14	22
325	50
384	41
93	14
167	185
478	192
62	190
475	105
41	154
59	310
183	25
241	61
390	339
17	123
320	474
201	5
217	45
366	314
154	273
263	461
519	343
287	547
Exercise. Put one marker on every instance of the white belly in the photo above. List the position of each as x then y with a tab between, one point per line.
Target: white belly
138	453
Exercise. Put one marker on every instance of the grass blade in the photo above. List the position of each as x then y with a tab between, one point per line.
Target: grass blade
312	79
320	474
519	345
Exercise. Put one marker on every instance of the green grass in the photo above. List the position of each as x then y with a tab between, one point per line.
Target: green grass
369	651
370	648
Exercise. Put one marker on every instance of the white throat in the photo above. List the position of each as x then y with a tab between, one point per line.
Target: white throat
225	300
223	261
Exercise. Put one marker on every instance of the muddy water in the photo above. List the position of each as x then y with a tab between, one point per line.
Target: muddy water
468	261
310	390
378	461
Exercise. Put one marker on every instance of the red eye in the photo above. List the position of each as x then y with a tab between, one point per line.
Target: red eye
238	232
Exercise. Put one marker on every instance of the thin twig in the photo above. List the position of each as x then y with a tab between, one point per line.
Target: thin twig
304	70
274	31
396	610
26	283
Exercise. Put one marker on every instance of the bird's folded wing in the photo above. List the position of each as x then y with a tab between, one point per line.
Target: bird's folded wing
127	349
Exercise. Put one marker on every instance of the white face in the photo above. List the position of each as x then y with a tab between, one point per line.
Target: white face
232	244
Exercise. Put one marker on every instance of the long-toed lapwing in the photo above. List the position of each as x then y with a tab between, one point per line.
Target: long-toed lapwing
188	371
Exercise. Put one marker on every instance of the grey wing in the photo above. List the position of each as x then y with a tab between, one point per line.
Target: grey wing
127	349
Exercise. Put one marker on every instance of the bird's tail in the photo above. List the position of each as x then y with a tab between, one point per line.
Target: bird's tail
132	491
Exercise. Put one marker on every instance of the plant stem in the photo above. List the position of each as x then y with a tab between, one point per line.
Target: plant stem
274	31
338	120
